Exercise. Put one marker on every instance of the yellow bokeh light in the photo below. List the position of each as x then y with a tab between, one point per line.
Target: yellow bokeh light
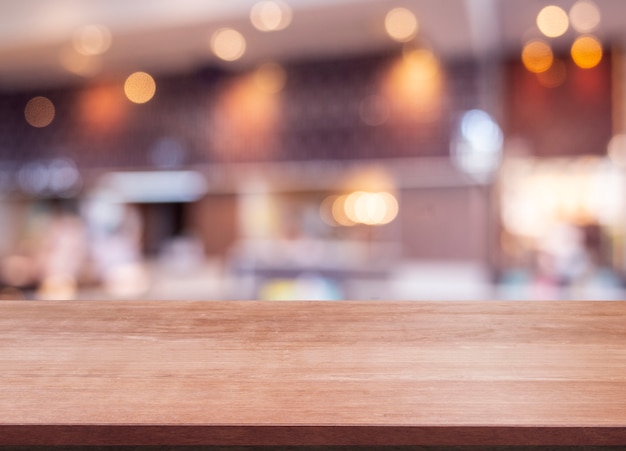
586	52
270	77
39	112
92	40
537	56
584	16
139	87
555	76
414	86
270	15
401	24
552	21
362	207
228	44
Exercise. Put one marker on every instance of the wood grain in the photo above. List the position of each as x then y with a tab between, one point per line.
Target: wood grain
312	373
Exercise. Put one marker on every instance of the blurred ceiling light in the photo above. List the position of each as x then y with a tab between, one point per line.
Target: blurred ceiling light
92	40
401	24
139	87
537	56
270	15
270	77
617	150
228	44
39	112
555	76
584	16
586	52
78	64
552	21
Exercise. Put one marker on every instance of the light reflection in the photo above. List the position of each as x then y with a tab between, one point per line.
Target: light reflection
586	52
584	16
270	15
537	56
39	112
401	24
228	44
552	21
139	87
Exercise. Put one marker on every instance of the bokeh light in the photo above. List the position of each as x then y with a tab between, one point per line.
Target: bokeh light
270	15
414	86
537	56
401	24
139	87
361	207
586	52
270	77
228	44
555	76
92	40
584	16
338	211
552	21
39	112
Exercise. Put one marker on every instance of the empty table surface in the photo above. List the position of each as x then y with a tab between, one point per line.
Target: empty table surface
312	373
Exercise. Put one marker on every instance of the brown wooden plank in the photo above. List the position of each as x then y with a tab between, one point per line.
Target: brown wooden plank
312	373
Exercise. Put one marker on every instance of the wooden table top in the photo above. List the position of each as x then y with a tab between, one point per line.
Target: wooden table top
312	373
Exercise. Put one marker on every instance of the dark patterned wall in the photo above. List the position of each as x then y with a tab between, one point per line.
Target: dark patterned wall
326	110
573	118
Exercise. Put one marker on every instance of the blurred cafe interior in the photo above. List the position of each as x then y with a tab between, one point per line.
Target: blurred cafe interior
313	149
